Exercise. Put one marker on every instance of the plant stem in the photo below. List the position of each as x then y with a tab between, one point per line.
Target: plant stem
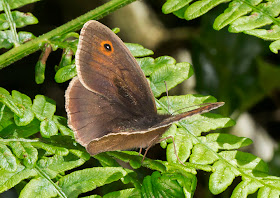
30	47
11	22
44	175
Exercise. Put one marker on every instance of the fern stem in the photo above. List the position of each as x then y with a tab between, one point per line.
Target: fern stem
11	22
205	168
30	47
44	175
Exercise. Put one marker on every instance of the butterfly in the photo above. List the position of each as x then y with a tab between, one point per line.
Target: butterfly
110	105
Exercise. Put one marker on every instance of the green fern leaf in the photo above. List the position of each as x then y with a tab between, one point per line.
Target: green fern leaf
61	123
165	185
65	73
86	180
38	187
266	192
7	39
235	10
221	178
260	15
7	159
138	50
149	65
17	3
217	141
171	74
245	188
202	155
52	149
43	107
9	179
25	103
26	152
21	20
127	193
174	5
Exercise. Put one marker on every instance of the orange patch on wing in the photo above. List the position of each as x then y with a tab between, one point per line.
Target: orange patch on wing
106	47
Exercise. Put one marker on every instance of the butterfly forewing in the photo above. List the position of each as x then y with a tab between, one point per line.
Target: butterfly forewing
105	66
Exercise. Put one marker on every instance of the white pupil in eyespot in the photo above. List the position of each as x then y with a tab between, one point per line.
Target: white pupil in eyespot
107	47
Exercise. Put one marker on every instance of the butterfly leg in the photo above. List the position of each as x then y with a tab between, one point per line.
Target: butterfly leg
140	151
175	151
152	142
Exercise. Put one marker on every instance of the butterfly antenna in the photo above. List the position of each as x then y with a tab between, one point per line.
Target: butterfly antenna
167	96
175	150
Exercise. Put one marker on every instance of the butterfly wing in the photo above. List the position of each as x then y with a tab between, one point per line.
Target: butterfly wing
105	66
143	139
111	91
91	115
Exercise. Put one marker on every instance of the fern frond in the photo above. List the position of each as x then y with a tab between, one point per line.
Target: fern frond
246	16
12	20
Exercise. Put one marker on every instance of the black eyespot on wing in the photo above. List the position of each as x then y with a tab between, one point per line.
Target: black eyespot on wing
107	47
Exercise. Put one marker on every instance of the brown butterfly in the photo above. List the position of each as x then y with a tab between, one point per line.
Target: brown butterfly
110	105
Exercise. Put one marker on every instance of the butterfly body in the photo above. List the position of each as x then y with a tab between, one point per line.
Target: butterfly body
110	105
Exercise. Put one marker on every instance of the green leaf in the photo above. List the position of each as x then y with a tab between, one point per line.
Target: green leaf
134	160
272	34
17	3
66	59
244	188
263	16
40	72
197	124
171	74
51	148
38	187
138	50
25	103
7	99
267	192
221	178
184	103
127	193
246	161
182	143
149	65
43	107
217	141
21	20
202	155
6	117
61	123
58	164
165	185
10	179
275	46
21	131
26	152
65	73
174	5
48	128
199	8
7	40
7	159
235	10
88	179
